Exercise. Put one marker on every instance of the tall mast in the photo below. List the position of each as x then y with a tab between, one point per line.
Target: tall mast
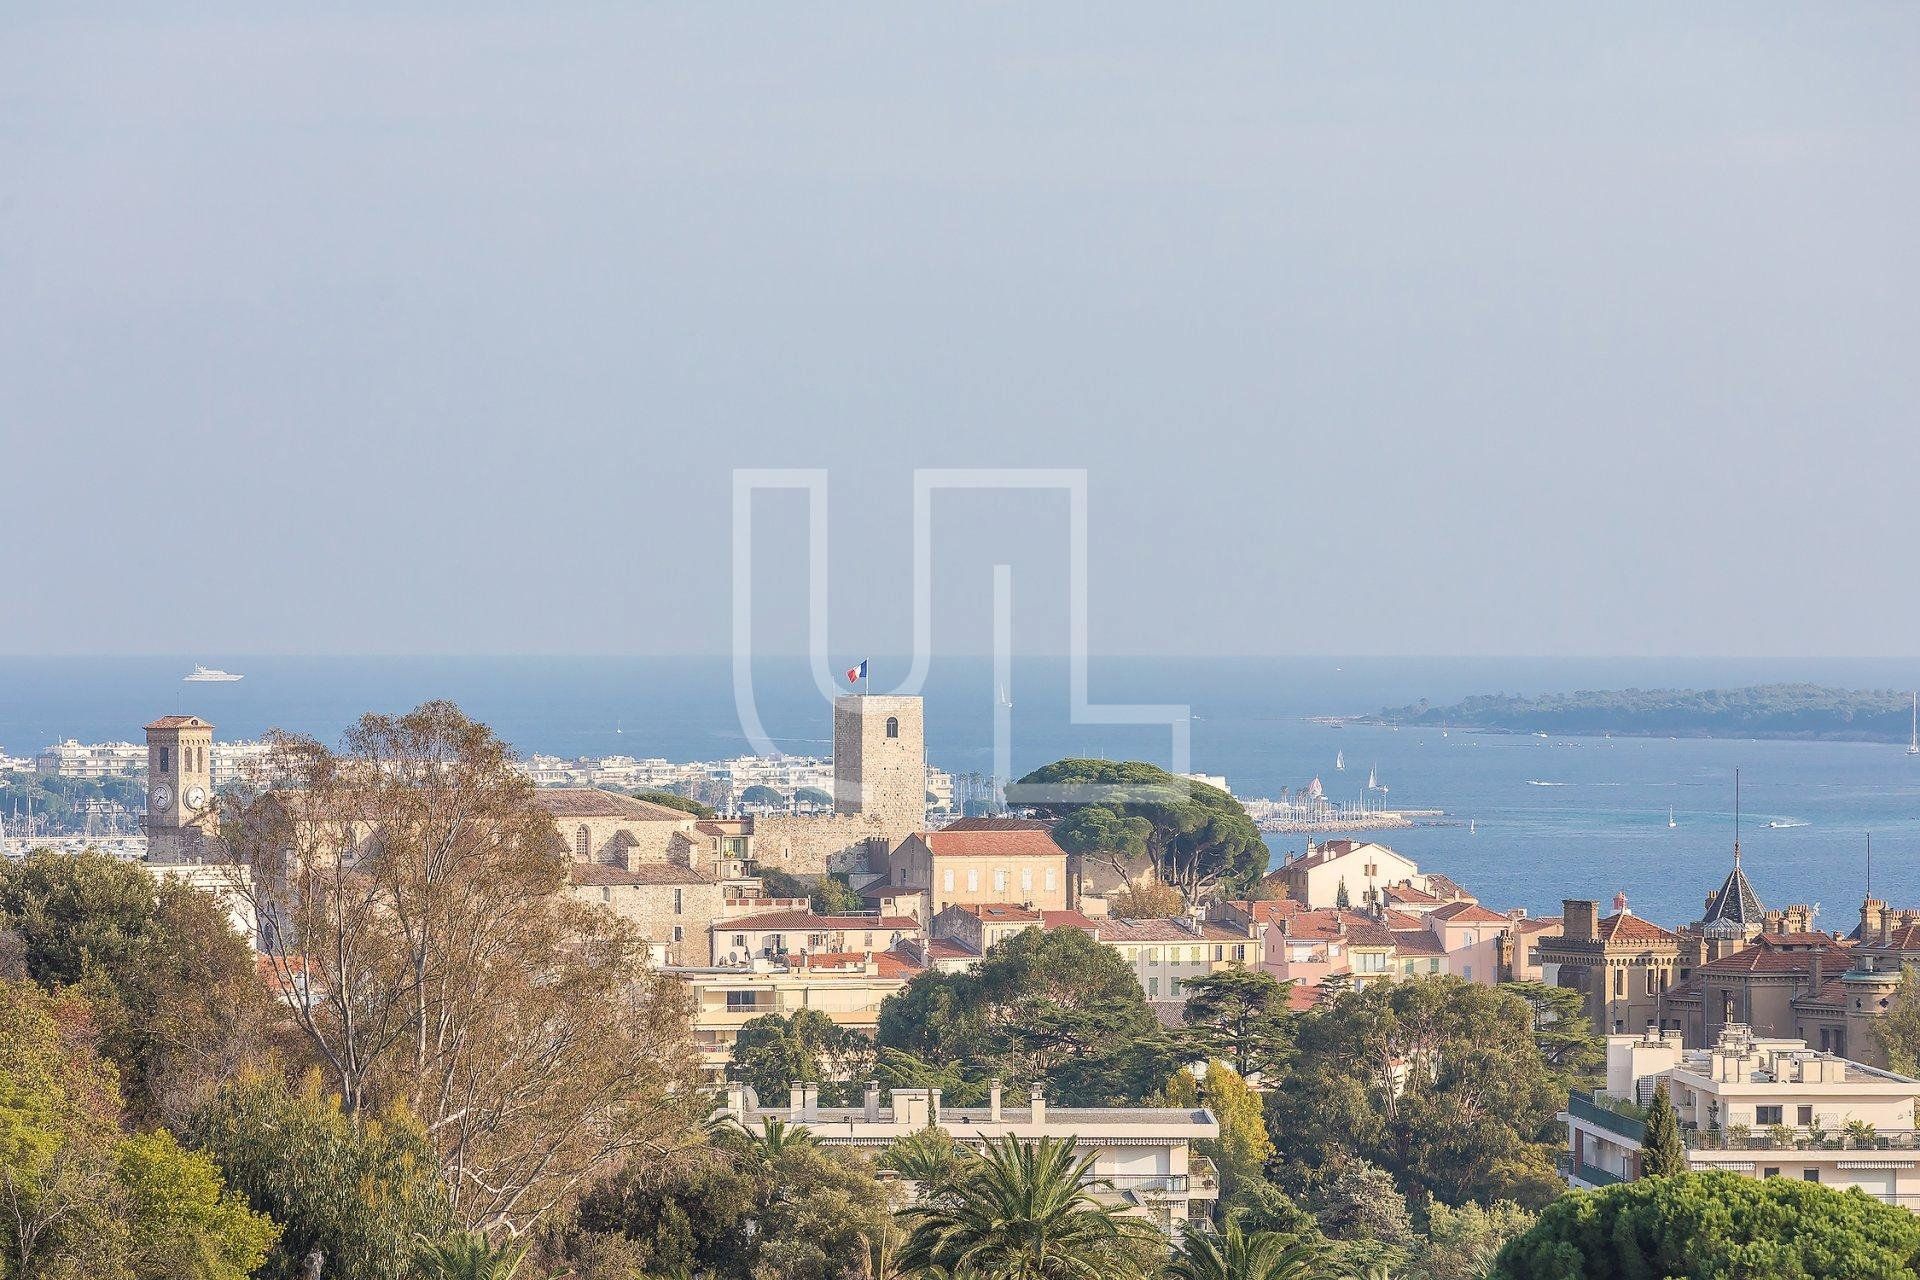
1736	819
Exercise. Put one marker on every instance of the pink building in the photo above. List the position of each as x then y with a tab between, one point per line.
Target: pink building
1471	937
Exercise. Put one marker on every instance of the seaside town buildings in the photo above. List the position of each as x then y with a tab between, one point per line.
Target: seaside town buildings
1142	1157
1767	1107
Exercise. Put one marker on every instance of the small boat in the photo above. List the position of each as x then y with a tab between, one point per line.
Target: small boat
1470	828
1671	824
1339	762
1539	735
1001	698
210	675
1913	743
1373	778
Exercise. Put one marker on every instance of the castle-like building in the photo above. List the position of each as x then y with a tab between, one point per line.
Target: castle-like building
181	821
1738	965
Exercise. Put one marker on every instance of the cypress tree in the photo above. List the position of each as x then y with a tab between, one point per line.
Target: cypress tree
1662	1153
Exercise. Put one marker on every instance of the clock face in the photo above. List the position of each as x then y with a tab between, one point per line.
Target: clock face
196	796
162	797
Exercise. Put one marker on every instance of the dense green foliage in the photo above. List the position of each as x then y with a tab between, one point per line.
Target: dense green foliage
82	1199
1138	817
1241	1015
1019	1211
1716	1226
361	1193
766	1206
1564	1034
674	800
1050	1007
1898	1032
174	999
1243	1147
1662	1153
1241	1255
1437	1081
1759	711
774	1050
829	895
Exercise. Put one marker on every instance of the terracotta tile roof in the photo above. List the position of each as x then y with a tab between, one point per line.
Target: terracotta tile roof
1114	929
1417	942
1466	913
1626	927
1023	842
1901	938
1302	998
999	912
1833	991
179	722
1407	893
1369	933
1324	924
599	873
1767	960
591	802
897	964
875	892
1068	920
1397	920
1811	938
950	949
708	828
802	921
1445	886
998	824
1268	910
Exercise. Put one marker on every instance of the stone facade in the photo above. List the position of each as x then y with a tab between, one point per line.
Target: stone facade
880	760
609	828
180	822
671	906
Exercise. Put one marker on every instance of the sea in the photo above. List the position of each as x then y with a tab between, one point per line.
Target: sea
1528	821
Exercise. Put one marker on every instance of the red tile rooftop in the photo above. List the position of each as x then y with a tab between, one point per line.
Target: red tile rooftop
998	824
999	912
591	802
1068	920
1022	842
1625	927
1757	960
1466	913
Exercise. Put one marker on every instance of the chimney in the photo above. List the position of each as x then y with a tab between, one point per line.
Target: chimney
872	1112
1582	919
1819	954
993	1099
796	1100
1037	1101
810	1100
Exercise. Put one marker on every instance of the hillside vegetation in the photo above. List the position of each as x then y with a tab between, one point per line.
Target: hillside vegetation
1759	711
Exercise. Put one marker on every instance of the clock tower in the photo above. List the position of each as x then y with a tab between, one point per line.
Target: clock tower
180	817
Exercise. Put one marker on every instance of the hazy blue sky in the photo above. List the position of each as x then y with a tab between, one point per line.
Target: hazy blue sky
1411	329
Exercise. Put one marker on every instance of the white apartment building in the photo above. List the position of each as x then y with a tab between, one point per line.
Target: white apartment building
1768	1108
847	987
71	759
1143	1157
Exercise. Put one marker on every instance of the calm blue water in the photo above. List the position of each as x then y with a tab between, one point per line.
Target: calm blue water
1580	817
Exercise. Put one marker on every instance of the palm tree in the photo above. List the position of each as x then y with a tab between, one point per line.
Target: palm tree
928	1157
466	1255
775	1139
1022	1211
1263	1255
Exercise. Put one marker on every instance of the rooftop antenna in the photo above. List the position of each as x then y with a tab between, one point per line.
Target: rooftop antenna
1869	864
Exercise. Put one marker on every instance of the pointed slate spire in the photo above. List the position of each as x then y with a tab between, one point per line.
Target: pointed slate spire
1735	902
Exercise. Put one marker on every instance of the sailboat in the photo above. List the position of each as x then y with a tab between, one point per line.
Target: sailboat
1339	762
1470	828
1913	743
1373	778
1000	697
1671	824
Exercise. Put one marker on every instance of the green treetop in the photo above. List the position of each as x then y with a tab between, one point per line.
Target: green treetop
1662	1153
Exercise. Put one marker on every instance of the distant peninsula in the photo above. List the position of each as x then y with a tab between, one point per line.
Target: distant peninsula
1760	711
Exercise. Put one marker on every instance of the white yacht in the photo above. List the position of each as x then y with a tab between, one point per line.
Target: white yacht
1913	743
211	675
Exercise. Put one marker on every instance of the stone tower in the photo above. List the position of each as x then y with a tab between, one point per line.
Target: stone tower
880	760
180	816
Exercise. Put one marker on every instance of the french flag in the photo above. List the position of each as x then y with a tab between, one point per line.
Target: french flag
856	674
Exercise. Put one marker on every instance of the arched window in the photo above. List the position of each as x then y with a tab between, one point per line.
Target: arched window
580	847
893	727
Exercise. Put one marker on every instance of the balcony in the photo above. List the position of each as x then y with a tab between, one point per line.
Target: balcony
1742	1138
1594	1176
1602	1116
1145	1185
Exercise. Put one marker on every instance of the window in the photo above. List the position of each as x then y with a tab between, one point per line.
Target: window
1809	1175
869	941
999	882
606	895
1153	955
1806	1115
679	934
973	882
1173	986
1219	953
946	880
1433	965
1369	962
1771	1171
1196	954
677	907
740	941
1651	979
1049	879
1466	971
1153	988
1026	879
581	850
1619	982
1472	938
1768	1115
738	1000
893	727
163	759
